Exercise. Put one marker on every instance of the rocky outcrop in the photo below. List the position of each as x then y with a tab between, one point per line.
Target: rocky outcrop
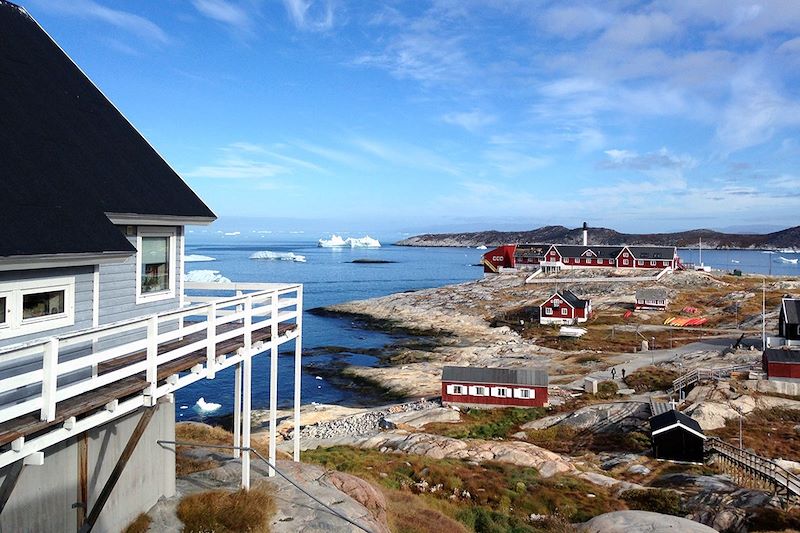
361	491
606	416
713	405
642	521
418	419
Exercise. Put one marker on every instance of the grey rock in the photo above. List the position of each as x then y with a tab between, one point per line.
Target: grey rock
643	522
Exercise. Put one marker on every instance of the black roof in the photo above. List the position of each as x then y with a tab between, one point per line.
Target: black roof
569	297
672	417
601	251
782	355
67	155
536	377
790	309
652	252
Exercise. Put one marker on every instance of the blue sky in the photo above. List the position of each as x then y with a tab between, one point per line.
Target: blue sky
457	114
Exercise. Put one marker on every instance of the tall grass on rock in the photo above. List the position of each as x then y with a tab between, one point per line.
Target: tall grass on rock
650	378
223	511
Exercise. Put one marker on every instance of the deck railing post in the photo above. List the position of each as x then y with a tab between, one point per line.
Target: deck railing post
237	409
298	349
49	380
152	354
246	422
273	379
211	338
248	323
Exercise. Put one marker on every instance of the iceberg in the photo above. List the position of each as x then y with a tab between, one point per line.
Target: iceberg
202	406
481	247
279	256
781	259
194	258
233	233
206	276
336	241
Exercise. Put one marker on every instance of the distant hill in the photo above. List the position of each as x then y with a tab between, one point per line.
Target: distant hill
787	238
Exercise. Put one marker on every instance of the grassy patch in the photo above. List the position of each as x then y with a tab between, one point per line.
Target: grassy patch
654	500
224	511
772	519
769	432
607	390
485	497
139	525
487	423
650	378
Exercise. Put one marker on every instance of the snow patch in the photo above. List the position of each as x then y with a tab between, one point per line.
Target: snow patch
279	256
336	241
195	258
206	276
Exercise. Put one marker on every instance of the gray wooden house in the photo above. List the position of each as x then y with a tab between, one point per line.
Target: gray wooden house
96	328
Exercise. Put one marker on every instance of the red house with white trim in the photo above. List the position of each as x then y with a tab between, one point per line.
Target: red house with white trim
558	256
494	387
565	308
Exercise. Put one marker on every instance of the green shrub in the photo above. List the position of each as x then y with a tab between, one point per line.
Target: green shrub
654	500
607	389
650	378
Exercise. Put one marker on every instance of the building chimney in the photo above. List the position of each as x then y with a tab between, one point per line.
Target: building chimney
585	234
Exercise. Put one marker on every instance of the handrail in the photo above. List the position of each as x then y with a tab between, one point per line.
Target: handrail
697	374
149	333
273	467
769	468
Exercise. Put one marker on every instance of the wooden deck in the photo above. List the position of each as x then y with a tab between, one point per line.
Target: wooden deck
87	403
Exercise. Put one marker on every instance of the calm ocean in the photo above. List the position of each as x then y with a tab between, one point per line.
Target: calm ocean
330	277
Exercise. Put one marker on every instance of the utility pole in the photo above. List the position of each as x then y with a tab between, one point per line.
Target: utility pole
740	429
764	315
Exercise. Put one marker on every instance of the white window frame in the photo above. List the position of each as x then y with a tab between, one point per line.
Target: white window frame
160	295
14	292
525	394
652	263
501	392
454	389
564	311
548	311
478	390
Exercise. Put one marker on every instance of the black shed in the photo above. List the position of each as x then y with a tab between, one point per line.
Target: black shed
677	437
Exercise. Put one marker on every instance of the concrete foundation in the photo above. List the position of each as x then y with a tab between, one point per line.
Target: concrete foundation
44	497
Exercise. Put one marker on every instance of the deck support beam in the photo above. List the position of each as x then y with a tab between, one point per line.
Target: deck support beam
83	478
10	482
273	381
122	462
298	373
237	410
246	419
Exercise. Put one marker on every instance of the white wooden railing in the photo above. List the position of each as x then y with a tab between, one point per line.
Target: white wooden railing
67	365
700	374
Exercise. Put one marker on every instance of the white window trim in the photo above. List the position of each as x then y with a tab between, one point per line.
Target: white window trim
15	326
456	389
161	295
564	311
520	394
548	311
473	390
501	392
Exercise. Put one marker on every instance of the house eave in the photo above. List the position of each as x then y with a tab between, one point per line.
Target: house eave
124	219
38	261
489	383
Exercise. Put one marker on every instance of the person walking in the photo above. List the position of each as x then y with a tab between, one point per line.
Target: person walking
613	373
623	373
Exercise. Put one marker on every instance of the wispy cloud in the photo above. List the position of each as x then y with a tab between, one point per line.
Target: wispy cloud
137	25
407	155
662	158
470	120
512	163
250	161
311	15
225	12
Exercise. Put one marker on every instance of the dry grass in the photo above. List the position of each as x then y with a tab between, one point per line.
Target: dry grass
223	511
487	423
768	432
409	513
650	378
139	525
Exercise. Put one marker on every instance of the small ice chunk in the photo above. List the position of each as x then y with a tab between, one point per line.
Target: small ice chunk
206	407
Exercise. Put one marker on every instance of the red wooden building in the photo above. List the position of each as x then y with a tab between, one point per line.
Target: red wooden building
564	307
557	256
782	364
490	387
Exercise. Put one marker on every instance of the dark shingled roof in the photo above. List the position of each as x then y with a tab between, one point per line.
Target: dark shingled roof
652	252
67	156
672	417
653	293
535	377
600	251
782	355
569	297
791	310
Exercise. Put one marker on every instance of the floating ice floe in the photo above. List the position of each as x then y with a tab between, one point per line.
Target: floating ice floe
317	377
206	407
206	276
195	258
336	241
735	261
481	247
782	259
184	406
279	256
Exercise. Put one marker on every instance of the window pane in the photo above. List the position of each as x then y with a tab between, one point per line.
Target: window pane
155	264
42	304
2	310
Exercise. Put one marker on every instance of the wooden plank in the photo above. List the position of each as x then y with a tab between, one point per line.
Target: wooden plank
83	478
122	462
14	471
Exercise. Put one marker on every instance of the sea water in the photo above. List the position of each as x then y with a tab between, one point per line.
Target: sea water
329	276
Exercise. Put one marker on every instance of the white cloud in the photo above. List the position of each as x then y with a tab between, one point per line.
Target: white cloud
470	120
124	20
250	161
639	29
314	15
512	163
662	158
574	21
407	155
225	12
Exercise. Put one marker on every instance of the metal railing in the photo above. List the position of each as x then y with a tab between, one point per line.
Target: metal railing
66	366
700	374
